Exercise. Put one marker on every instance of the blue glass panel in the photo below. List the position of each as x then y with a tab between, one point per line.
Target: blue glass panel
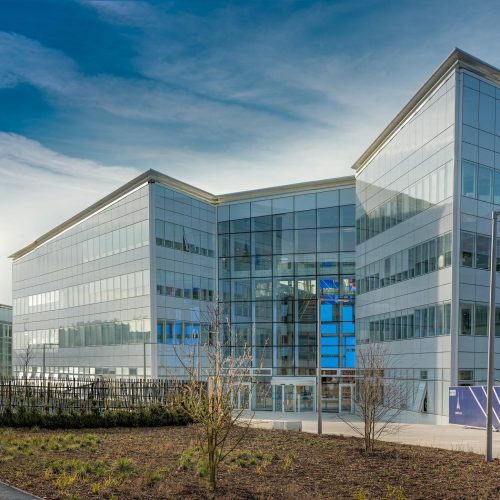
350	359
329	329
349	351
159	333
348	327
168	333
325	341
326	312
331	350
347	313
329	362
177	338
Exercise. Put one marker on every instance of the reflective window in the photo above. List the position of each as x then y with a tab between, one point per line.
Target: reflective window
469	179
485	184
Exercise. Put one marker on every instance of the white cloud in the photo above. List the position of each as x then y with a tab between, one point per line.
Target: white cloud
39	189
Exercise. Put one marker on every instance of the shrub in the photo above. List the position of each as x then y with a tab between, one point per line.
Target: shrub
124	466
151	416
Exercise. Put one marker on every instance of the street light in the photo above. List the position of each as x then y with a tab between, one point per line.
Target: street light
43	357
43	346
145	344
319	388
491	339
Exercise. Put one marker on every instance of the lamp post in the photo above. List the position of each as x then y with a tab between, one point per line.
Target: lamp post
319	388
491	339
144	345
50	344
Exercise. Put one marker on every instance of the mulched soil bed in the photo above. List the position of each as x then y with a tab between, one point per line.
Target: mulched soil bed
268	464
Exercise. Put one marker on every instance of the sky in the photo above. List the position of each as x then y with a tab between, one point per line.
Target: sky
260	93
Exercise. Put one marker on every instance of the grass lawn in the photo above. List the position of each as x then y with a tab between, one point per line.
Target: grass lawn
160	463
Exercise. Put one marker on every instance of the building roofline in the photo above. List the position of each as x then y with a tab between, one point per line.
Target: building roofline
286	189
153	176
6	306
458	59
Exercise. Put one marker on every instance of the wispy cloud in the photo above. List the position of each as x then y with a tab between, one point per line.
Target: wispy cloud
257	93
39	189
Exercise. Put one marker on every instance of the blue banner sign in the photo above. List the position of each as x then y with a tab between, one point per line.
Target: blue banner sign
468	406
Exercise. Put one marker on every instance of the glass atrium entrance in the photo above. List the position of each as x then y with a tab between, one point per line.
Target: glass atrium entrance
294	397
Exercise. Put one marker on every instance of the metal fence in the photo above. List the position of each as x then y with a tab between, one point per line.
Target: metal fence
87	394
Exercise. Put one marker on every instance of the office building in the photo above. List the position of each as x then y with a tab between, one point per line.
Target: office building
426	189
117	289
152	257
5	340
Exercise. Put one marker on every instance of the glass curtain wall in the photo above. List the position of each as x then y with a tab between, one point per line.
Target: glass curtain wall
275	257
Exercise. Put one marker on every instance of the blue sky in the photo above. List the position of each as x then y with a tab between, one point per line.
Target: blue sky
94	92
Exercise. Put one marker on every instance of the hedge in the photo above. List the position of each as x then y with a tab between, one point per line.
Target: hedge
151	416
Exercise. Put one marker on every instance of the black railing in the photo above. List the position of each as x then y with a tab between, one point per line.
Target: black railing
87	394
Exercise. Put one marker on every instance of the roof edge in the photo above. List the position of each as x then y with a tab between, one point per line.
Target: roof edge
286	189
80	216
153	176
458	59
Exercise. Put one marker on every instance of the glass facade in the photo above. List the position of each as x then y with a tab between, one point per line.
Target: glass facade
479	196
5	340
404	253
279	260
82	299
425	321
276	258
185	274
413	262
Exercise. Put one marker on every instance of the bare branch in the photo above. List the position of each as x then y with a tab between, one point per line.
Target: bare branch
379	398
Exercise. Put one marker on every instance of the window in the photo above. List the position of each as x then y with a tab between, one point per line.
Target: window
305	220
328	217
485	184
347	215
283	242
347	240
482	252
469	179
328	240
263	243
466	319
283	265
471	107
467	248
496	197
481	326
486	113
305	241
240	244
465	377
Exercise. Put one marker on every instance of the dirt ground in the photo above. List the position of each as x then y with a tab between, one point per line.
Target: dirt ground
162	463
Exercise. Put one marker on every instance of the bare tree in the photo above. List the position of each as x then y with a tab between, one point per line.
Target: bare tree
216	377
379	399
26	357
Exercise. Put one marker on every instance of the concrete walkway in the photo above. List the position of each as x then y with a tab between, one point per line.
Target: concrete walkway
9	493
449	437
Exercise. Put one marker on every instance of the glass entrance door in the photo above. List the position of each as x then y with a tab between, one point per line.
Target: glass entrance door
284	398
346	398
305	398
330	395
288	397
244	396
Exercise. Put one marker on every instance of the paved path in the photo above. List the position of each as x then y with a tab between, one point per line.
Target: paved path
450	437
9	493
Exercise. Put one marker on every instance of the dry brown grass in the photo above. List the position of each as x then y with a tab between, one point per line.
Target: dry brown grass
162	463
